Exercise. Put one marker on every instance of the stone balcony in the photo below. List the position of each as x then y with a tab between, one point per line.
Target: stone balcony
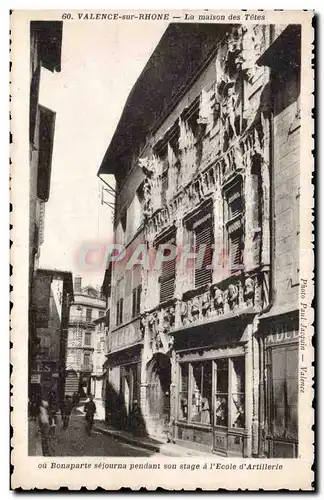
124	336
234	295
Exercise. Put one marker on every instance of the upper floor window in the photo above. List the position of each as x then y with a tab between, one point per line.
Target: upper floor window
89	314
108	319
201	238
167	269
101	314
120	302
234	227
137	290
87	338
86	359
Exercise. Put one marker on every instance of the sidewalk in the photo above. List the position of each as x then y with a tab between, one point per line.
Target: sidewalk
169	449
34	440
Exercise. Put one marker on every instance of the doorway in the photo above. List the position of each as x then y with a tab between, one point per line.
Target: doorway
159	381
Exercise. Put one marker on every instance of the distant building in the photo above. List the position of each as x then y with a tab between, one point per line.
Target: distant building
52	296
88	306
206	158
45	52
99	359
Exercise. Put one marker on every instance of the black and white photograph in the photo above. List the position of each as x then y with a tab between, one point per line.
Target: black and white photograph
168	307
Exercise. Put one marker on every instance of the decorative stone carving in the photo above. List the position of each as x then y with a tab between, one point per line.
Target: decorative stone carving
205	304
232	296
205	110
218	301
249	291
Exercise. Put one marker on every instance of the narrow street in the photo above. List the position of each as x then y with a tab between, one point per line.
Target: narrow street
75	442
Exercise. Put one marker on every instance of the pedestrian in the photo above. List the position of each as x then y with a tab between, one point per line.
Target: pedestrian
75	399
90	410
52	410
66	410
44	426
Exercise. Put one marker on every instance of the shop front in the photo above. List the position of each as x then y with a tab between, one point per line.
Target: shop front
122	388
215	397
281	342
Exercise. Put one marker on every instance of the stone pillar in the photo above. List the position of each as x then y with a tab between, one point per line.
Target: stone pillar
173	395
248	391
220	251
256	383
251	224
265	183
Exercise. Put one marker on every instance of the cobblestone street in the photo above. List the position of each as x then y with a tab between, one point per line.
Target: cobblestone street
74	442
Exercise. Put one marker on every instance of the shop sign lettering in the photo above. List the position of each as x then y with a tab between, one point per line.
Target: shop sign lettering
282	338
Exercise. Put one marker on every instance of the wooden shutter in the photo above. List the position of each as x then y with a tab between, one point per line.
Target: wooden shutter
121	310
235	247
167	279
117	313
138	299
204	236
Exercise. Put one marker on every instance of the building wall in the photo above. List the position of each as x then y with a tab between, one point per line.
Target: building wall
253	144
286	166
82	338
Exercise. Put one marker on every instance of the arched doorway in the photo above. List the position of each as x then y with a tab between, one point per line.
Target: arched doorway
159	380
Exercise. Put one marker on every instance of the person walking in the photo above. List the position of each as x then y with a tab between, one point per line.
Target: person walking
66	411
90	410
44	426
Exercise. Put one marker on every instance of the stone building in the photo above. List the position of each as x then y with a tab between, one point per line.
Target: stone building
206	161
99	359
45	52
52	296
87	307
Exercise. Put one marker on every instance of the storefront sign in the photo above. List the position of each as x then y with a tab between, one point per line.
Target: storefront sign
282	338
35	378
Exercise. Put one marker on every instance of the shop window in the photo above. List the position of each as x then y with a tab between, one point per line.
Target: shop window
197	379
234	226
87	338
237	393
221	399
284	393
183	393
201	392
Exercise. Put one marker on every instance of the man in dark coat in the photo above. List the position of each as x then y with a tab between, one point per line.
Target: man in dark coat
90	410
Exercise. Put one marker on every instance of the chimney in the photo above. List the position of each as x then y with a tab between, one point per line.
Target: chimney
77	284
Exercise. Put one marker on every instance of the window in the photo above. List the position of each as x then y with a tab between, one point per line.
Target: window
108	319
137	290
203	241
168	269
183	392
136	301
221	397
86	359
230	392
225	407
120	302
87	338
101	314
88	314
234	226
201	392
283	386
123	219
